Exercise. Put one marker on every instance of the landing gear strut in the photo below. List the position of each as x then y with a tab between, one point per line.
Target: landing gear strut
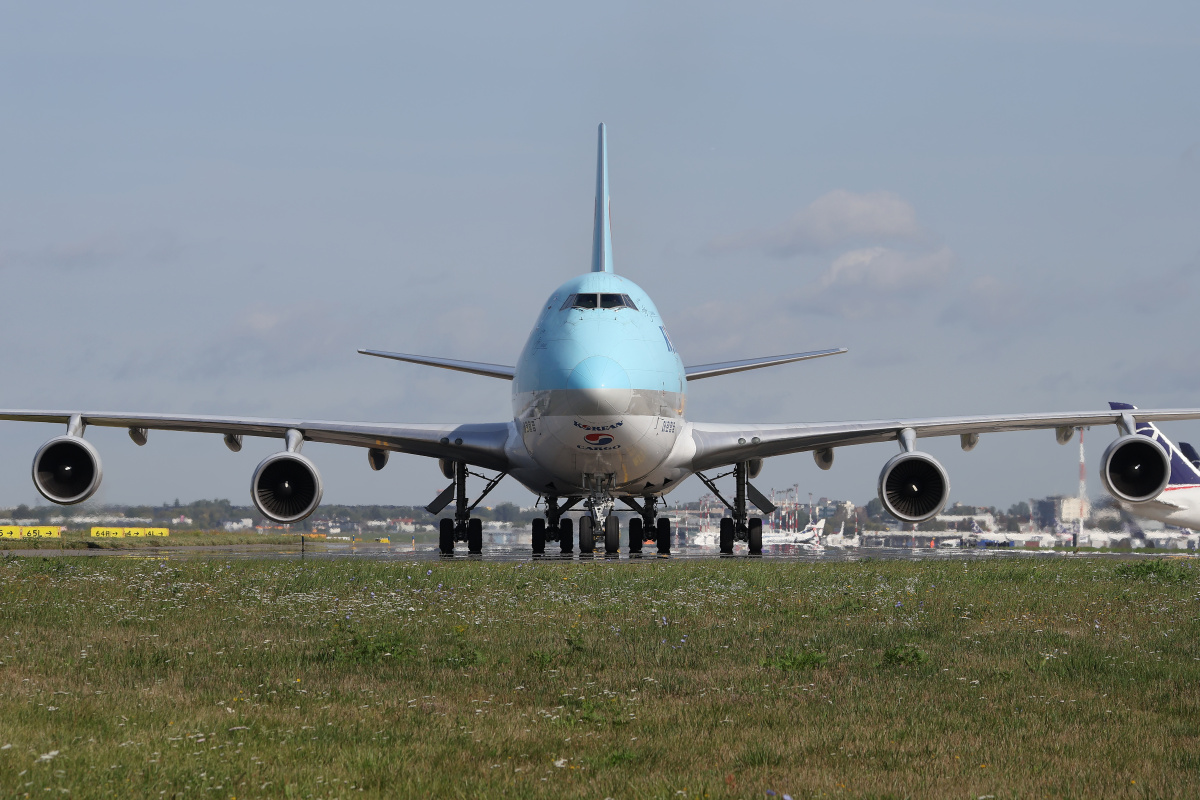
741	527
647	526
555	527
464	527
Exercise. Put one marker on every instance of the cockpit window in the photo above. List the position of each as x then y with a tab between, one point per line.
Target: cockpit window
599	301
612	301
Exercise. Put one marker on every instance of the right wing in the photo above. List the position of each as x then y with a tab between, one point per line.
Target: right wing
474	367
720	445
479	444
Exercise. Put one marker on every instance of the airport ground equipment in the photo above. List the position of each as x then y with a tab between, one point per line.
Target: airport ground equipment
599	400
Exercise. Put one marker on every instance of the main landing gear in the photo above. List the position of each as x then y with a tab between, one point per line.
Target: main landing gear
648	527
556	527
464	527
741	527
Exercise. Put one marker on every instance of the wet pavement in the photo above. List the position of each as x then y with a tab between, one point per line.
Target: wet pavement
516	547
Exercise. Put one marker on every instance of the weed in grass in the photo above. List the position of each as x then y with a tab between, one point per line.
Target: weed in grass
541	659
1161	569
621	757
351	646
905	655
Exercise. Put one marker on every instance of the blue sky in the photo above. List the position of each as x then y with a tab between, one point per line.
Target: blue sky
207	209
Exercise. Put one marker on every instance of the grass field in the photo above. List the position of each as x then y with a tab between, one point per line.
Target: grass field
723	678
81	540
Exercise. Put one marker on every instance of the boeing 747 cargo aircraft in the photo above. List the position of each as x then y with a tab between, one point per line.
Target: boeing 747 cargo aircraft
599	417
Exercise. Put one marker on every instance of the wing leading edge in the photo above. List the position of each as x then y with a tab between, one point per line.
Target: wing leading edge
474	367
719	445
480	444
726	367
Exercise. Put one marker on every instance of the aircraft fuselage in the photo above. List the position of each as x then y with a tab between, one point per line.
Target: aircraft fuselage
599	393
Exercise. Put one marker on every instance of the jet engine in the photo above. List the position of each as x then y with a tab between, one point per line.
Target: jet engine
286	487
1135	469
913	487
66	470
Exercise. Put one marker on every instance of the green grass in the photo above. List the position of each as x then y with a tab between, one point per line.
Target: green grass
81	540
254	678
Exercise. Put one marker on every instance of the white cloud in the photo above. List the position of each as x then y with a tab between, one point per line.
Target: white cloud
835	219
882	269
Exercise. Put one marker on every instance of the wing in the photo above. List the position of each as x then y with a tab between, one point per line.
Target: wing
474	367
718	445
479	444
726	367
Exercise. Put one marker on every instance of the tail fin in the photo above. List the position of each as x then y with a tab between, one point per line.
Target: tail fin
602	231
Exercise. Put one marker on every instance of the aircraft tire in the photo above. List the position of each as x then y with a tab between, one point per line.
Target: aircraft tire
475	536
612	534
664	536
566	535
587	537
539	536
446	536
635	535
755	536
726	536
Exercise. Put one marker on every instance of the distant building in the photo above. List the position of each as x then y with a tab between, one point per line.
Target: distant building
1049	512
985	521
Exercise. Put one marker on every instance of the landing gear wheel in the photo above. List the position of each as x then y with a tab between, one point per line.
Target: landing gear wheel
566	534
635	535
612	534
755	536
475	536
446	537
587	540
726	536
664	536
539	536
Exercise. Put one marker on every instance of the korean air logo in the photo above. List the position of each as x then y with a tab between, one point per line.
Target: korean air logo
598	438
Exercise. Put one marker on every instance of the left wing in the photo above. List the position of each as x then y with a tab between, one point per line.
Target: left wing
720	445
726	367
479	444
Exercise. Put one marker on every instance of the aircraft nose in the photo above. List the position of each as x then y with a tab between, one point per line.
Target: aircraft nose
599	387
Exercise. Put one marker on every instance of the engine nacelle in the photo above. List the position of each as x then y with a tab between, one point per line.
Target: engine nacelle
286	487
913	487
1135	469
67	470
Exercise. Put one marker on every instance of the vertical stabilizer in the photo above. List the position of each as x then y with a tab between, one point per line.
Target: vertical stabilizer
602	232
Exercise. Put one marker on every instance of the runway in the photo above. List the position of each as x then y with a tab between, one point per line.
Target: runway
515	547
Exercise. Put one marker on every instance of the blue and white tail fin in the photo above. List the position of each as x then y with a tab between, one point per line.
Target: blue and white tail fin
1185	471
602	230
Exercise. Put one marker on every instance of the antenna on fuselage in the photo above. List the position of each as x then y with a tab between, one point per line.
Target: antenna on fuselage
602	230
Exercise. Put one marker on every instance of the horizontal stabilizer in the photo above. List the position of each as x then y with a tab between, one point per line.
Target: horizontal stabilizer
726	367
474	367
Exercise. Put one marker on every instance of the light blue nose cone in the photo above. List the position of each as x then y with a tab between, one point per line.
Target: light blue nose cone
599	388
598	372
